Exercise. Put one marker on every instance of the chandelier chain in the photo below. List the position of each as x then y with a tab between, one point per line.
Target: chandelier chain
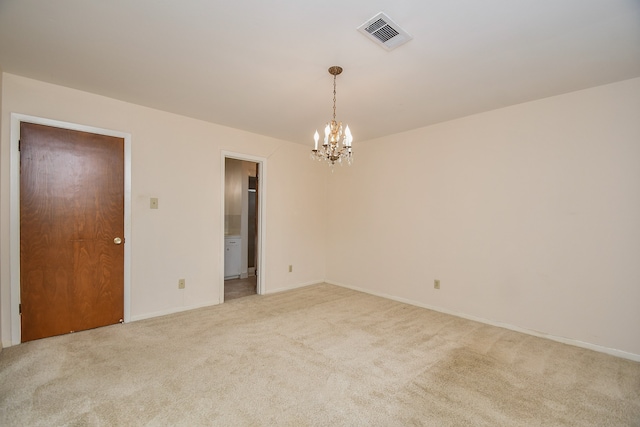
334	97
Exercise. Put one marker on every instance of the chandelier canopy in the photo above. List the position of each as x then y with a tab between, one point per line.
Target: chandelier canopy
336	145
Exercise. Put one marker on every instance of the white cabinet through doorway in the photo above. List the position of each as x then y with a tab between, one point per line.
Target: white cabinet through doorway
232	257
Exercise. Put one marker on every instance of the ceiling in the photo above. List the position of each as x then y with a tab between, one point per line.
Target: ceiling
261	66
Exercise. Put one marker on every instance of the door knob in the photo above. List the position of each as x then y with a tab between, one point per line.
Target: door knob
117	240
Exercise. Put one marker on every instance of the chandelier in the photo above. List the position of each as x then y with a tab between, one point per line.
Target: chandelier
336	146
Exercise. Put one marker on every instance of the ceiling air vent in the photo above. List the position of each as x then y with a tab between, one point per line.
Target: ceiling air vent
384	32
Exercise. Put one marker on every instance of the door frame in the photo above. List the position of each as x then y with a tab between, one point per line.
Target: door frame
14	214
261	232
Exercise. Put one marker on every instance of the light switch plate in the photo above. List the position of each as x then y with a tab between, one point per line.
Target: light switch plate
153	203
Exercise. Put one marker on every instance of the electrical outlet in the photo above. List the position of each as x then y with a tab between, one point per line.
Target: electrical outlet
290	268
436	284
181	283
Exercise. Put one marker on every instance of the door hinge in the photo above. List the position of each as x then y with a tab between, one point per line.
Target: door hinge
19	308
19	142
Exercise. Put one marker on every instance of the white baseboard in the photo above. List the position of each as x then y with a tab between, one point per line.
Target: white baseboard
171	311
210	303
570	341
295	286
150	315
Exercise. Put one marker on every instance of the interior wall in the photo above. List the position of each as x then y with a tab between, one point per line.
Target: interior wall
178	160
301	221
528	215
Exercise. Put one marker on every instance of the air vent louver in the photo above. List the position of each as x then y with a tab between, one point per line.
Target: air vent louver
384	32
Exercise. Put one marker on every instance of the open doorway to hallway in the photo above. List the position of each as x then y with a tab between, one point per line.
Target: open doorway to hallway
241	228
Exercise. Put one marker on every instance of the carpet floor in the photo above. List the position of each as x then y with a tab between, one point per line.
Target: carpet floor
315	356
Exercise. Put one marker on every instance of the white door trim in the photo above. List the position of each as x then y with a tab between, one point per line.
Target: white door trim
14	211
262	222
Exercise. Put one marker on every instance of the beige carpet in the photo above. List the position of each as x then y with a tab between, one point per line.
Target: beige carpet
316	356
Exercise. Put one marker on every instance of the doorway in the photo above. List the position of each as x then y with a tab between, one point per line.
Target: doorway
71	230
243	186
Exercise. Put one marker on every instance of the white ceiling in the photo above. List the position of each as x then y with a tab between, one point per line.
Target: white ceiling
262	65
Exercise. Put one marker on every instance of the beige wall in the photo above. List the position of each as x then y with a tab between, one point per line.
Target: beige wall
529	216
178	160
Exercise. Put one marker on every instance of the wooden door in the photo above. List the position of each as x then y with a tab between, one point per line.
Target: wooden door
71	210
